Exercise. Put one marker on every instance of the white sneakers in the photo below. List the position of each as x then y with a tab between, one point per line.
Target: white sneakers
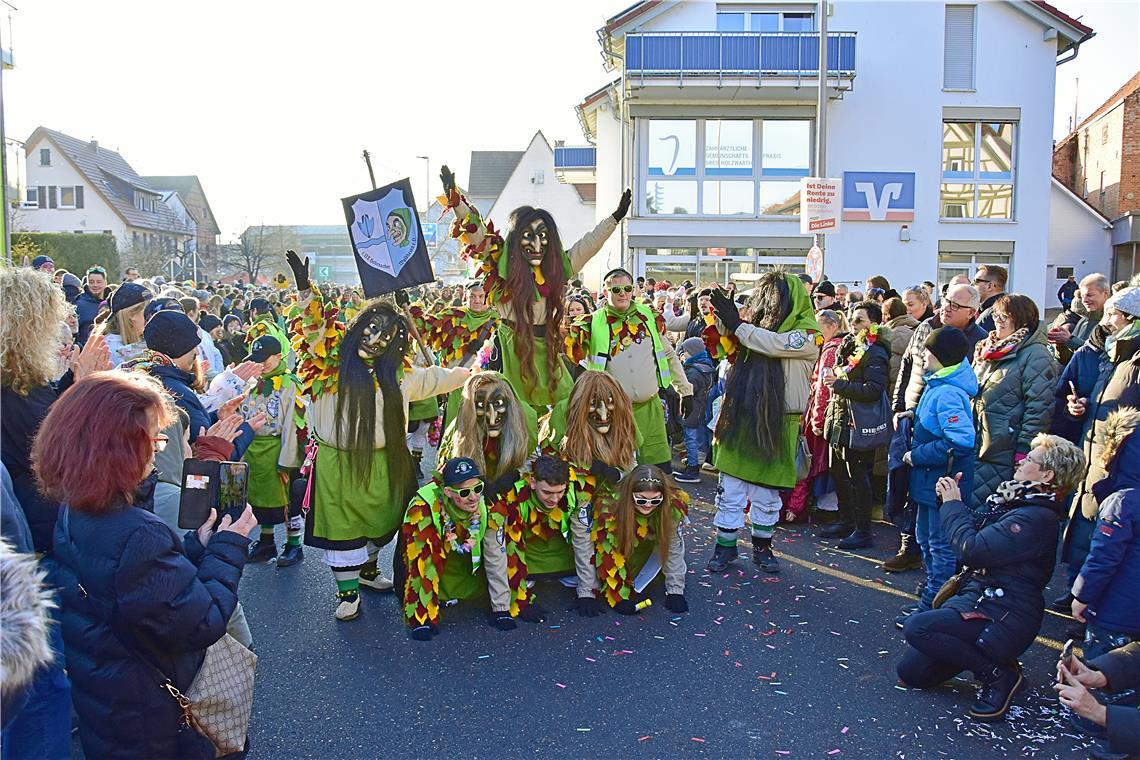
379	583
348	610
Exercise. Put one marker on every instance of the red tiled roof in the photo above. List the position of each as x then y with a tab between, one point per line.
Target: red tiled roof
1060	15
629	14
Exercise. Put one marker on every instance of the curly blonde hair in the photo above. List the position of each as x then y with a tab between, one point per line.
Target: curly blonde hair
31	308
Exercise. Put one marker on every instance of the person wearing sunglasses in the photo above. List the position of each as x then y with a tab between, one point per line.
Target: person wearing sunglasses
638	533
990	282
823	295
627	340
449	535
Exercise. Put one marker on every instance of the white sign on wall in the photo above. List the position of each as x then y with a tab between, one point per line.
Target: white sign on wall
821	205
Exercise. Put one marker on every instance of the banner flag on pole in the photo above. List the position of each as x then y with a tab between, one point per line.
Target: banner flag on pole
387	240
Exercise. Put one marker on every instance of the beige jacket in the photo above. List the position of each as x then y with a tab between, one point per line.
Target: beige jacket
495	567
635	369
797	353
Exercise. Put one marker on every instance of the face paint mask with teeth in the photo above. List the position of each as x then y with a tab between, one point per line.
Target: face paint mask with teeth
491	411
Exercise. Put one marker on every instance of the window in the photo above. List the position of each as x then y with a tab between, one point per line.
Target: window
33	196
958	52
977	170
765	21
716	265
67	197
45	156
744	167
1064	273
957	257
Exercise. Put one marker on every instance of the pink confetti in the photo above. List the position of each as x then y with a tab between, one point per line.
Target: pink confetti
644	738
834	752
697	739
560	685
844	730
590	659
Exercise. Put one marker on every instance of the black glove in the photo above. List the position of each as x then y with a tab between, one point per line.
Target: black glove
726	310
623	205
402	299
300	270
676	603
502	621
448	178
629	606
423	632
587	606
600	469
533	613
500	485
686	406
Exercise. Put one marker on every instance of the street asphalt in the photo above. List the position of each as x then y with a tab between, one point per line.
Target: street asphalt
794	665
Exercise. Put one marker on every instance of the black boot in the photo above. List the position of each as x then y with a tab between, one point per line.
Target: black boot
859	539
262	550
762	555
999	686
418	458
721	558
836	529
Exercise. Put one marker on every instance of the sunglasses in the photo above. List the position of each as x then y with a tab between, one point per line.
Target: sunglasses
96	270
463	493
618	289
820	297
160	443
979	281
641	501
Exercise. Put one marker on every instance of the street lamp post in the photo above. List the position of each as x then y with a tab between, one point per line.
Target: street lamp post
427	182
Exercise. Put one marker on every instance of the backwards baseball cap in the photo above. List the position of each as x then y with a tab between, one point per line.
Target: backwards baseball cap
129	294
263	348
171	333
161	304
459	469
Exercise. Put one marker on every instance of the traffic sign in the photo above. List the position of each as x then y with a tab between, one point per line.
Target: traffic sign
431	232
324	273
814	264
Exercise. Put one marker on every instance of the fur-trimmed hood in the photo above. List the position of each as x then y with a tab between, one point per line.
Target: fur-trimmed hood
1118	426
24	620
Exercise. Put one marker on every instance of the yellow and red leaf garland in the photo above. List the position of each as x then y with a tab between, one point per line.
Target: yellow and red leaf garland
615	578
316	336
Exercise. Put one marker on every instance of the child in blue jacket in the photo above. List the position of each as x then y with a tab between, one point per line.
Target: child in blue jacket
943	444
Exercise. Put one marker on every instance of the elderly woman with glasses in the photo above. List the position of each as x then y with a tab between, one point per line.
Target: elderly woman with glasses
991	614
1016	378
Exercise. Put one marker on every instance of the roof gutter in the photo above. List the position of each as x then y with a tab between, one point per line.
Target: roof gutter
1076	48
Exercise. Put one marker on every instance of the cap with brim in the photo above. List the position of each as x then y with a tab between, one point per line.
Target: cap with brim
263	348
171	333
161	304
458	470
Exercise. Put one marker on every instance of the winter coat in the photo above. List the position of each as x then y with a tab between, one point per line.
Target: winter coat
943	424
177	382
867	381
901	330
820	395
86	309
912	369
985	319
233	349
701	374
1081	327
127	580
1014	403
20	419
1122	669
24	626
1122	389
1111	574
1016	554
1088	371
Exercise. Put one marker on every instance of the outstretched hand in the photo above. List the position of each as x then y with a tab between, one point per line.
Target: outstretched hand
726	310
623	205
448	178
300	270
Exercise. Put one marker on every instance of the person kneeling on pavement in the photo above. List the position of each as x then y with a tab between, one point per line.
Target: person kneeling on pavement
638	534
1115	671
986	616
449	534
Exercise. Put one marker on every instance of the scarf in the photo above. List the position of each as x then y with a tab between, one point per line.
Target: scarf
148	359
1010	495
1128	333
275	380
994	349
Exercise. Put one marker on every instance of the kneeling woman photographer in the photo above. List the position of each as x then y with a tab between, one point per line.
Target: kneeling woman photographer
1007	548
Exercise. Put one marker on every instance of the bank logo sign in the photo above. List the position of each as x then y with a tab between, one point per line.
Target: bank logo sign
878	196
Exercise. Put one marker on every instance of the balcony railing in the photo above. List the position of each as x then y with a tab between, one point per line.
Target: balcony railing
585	157
736	55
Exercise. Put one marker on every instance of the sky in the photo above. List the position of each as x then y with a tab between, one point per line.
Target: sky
271	103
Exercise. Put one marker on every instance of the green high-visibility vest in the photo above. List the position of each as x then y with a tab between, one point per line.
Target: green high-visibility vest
430	493
600	340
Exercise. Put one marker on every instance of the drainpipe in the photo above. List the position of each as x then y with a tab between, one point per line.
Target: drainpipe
1076	48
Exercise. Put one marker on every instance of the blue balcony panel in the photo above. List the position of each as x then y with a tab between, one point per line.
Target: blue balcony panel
752	54
585	157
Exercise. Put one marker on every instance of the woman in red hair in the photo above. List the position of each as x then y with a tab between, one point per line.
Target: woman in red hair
132	590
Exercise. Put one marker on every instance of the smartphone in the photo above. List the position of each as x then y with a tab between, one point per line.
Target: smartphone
1066	658
210	485
1073	389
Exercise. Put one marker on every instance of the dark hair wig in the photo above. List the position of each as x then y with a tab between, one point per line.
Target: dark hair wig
520	291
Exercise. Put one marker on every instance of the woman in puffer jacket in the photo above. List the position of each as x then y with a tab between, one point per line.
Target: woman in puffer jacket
1016	379
833	327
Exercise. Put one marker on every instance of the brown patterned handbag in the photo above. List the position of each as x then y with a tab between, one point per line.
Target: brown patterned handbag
219	702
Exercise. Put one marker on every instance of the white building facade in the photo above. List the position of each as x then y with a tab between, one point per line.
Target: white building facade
939	124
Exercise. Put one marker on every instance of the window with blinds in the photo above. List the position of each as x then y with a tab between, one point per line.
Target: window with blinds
958	61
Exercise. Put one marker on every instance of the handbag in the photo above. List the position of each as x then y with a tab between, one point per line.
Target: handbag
803	458
219	702
950	588
870	424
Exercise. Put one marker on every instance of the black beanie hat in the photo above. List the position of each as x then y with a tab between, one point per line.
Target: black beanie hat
171	333
949	345
208	322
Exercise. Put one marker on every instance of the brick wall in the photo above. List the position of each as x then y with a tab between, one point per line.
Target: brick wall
1129	198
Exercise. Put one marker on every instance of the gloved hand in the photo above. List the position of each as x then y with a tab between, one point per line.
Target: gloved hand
423	632
623	205
300	270
600	469
686	405
402	299
726	310
629	606
676	603
500	485
502	621
448	178
533	613
587	606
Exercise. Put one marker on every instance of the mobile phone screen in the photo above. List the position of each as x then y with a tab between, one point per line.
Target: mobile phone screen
233	485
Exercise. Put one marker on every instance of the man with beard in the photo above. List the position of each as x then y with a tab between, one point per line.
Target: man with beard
625	339
360	386
525	275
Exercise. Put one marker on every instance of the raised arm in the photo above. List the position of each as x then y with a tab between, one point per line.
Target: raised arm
590	243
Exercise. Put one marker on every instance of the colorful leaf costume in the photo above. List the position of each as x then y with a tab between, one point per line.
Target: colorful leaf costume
616	571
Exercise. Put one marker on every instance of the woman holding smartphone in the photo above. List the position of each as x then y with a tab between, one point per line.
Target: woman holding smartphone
135	594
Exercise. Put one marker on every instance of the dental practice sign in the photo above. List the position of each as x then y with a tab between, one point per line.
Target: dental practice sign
821	202
387	240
